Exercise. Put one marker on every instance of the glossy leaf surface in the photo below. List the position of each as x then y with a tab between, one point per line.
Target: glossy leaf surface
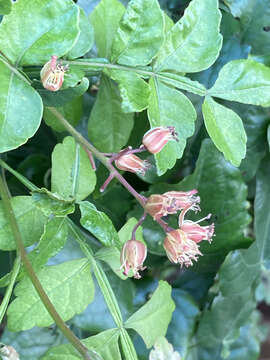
109	127
98	224
30	221
105	19
244	81
31	33
152	319
20	110
226	130
169	107
192	44
140	33
72	173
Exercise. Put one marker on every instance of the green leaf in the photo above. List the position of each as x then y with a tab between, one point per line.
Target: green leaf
184	321
31	33
98	224
109	128
85	40
226	130
30	221
194	42
62	97
72	174
169	107
32	344
69	287
105	344
72	111
97	316
255	120
5	7
51	242
153	318
126	231
140	33
52	204
163	350
244	81
105	19
21	110
133	90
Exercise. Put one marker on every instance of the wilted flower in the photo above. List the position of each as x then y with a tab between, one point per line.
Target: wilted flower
52	74
132	163
155	139
132	257
184	199
159	205
180	249
197	232
8	352
170	202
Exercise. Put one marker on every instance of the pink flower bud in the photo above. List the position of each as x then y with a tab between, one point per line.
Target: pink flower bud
180	249
132	163
52	74
132	257
159	205
155	139
184	199
197	232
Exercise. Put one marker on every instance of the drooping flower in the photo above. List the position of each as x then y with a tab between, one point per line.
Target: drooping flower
8	352
52	74
132	257
155	139
132	163
184	199
197	232
159	205
180	249
171	202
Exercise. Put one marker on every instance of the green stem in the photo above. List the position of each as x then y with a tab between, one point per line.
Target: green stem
108	294
14	274
20	177
34	279
97	154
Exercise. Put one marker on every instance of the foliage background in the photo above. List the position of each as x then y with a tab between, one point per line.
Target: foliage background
215	315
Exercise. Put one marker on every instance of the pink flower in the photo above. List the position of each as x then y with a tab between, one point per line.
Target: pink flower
132	257
132	163
184	199
159	205
172	201
197	232
180	249
52	74
155	139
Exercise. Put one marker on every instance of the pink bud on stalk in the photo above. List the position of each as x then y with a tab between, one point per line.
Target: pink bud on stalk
52	74
180	249
155	139
132	257
132	163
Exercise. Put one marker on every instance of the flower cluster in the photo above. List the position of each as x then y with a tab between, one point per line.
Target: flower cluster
182	244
